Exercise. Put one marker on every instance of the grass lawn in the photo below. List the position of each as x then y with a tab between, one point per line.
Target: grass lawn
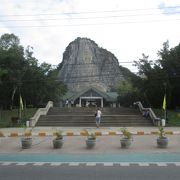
172	115
6	117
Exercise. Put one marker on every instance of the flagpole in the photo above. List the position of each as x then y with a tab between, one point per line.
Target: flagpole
165	109
20	107
20	110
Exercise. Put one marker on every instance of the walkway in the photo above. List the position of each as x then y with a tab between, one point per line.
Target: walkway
107	149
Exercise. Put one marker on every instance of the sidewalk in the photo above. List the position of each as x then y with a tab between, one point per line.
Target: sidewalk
108	141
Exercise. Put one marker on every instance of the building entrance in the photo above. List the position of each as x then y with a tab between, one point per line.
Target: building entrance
90	101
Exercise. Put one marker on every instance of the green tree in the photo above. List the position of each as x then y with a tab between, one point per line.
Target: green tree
21	73
152	81
39	82
128	89
163	72
12	65
169	62
128	94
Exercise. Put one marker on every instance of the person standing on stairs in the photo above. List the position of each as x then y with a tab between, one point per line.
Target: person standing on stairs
98	115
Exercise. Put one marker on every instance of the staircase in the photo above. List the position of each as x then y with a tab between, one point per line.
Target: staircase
84	117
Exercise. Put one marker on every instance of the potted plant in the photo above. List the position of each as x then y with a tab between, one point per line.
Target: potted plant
91	140
162	140
126	139
26	139
58	141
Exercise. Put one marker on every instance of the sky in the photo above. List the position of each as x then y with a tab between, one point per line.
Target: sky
127	28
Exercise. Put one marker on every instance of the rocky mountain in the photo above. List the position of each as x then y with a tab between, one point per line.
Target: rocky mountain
86	64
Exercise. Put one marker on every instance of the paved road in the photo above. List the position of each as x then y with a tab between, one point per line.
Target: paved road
81	172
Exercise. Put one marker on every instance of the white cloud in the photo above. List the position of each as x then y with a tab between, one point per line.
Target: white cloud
140	26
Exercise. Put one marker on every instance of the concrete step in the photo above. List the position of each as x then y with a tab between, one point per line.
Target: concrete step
93	125
92	110
110	119
74	117
124	121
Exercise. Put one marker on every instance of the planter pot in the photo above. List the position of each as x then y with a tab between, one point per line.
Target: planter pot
58	143
162	142
90	143
125	143
26	142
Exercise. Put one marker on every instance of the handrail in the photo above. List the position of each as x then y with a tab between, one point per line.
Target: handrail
156	121
39	112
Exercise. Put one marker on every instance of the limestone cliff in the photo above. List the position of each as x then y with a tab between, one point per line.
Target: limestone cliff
85	64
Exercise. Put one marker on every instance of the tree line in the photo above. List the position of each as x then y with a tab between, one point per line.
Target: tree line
155	78
21	74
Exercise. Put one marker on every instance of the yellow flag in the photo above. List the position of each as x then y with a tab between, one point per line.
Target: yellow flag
164	102
21	103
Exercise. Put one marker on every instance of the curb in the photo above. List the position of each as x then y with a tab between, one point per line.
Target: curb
82	133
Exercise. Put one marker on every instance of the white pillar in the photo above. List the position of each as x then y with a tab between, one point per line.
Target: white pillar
80	102
102	102
114	105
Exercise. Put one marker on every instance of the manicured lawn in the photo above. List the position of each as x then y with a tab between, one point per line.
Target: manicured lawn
172	115
6	116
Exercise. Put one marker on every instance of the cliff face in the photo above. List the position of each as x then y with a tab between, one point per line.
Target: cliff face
85	64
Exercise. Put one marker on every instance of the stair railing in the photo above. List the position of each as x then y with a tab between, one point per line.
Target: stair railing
155	120
39	112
